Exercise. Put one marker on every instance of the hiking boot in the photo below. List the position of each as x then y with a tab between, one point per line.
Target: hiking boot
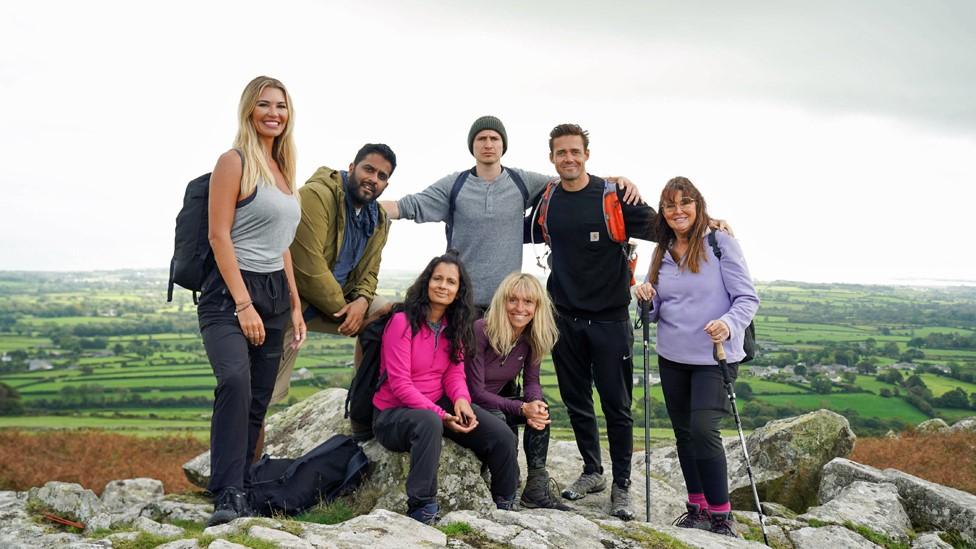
540	492
587	483
505	503
620	502
425	514
722	524
693	518
231	503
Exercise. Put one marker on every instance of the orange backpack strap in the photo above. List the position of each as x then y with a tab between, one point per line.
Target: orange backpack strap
613	216
543	209
613	213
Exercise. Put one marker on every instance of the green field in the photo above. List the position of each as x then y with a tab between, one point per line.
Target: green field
865	404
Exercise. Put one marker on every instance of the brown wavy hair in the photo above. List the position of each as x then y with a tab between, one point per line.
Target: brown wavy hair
665	234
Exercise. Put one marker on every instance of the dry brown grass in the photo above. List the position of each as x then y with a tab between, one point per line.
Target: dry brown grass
945	458
93	458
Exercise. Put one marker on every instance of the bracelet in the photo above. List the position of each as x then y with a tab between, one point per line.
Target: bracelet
522	409
242	308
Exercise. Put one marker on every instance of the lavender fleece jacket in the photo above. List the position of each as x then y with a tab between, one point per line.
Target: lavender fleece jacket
488	372
686	301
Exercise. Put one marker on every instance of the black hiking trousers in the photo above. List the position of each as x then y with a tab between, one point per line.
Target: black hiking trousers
419	432
245	373
697	403
534	442
600	353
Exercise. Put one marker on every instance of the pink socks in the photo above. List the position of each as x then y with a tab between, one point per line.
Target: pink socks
723	508
699	500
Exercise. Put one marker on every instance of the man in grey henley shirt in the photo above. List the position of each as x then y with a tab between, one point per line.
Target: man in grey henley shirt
489	209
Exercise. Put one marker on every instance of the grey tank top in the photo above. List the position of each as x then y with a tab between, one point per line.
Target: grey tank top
264	227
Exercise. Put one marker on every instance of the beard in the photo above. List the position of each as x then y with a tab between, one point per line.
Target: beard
359	197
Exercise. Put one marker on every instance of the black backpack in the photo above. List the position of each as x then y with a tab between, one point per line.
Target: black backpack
367	380
290	486
192	256
456	188
749	341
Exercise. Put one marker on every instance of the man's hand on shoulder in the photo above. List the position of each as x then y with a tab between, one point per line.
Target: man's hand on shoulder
631	194
721	225
354	312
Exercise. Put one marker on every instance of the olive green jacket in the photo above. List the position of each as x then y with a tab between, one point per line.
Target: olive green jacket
317	242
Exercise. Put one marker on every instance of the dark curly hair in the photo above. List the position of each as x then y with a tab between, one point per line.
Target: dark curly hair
460	314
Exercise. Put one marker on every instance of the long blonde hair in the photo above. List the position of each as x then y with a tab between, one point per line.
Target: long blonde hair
541	331
256	168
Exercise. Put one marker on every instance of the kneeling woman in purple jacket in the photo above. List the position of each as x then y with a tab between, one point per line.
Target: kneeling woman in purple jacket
699	299
517	332
425	395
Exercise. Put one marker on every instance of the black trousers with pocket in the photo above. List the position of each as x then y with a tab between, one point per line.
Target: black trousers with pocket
245	373
600	353
697	403
419	432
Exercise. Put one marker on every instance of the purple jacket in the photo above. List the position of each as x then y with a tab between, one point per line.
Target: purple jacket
686	301
488	372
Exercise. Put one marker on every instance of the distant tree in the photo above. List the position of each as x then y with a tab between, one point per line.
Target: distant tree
800	370
743	390
820	384
849	377
916	342
972	400
890	375
867	366
955	398
885	392
914	381
10	404
911	355
890	349
884	330
118	349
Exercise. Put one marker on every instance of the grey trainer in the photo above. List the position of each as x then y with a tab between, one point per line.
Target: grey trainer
620	502
587	483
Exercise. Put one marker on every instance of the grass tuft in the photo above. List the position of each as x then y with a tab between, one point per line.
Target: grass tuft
651	539
329	513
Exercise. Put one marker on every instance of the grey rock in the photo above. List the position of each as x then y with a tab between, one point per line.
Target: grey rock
197	470
967	424
168	510
841	472
453	543
498	533
380	529
13	508
787	456
555	528
88	544
239	525
224	544
834	537
565	464
181	544
772	509
280	539
121	495
936	425
873	506
929	540
152	527
122	536
776	527
931	506
67	499
689	536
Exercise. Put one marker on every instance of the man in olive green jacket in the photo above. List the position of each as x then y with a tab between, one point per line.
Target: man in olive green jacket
337	248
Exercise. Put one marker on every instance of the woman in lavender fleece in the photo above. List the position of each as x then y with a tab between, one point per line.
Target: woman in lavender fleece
698	300
518	330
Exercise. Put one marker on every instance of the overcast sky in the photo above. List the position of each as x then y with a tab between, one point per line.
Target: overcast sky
838	138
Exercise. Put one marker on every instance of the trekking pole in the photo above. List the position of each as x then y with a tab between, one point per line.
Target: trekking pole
730	389
645	308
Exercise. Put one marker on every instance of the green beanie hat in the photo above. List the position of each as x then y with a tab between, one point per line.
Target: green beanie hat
487	123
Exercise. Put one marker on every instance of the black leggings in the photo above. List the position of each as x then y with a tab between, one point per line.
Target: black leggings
419	432
535	442
697	402
245	373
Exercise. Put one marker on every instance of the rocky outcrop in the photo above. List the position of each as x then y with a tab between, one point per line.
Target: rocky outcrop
929	506
936	425
787	456
872	506
966	424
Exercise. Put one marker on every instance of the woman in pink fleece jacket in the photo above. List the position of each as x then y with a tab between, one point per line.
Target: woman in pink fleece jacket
424	394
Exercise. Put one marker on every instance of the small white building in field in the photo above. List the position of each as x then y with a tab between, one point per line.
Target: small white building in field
38	364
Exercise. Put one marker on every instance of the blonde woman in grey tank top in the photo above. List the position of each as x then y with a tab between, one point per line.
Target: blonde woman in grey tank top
250	299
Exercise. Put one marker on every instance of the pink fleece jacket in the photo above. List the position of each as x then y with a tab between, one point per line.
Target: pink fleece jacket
418	374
